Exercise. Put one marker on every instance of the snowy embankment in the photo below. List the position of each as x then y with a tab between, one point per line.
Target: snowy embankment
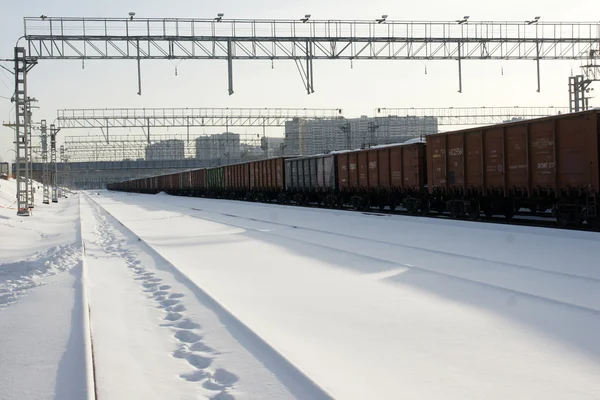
372	306
44	340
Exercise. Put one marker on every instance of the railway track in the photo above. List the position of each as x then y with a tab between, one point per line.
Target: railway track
382	251
521	218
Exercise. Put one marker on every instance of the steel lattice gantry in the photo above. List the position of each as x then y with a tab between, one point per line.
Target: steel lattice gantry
148	118
468	116
306	40
227	117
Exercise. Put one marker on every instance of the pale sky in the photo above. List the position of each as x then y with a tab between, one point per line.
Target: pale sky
358	90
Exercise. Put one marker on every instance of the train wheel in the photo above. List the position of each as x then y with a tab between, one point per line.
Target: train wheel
474	210
334	201
411	206
488	210
424	207
393	204
454	212
509	210
366	203
594	223
329	201
563	219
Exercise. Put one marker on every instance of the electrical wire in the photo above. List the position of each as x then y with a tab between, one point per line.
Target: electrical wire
5	84
6	69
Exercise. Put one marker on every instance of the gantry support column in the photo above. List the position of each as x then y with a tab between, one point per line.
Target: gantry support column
53	171
44	137
29	128
21	132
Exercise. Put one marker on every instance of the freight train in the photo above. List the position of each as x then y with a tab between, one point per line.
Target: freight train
545	164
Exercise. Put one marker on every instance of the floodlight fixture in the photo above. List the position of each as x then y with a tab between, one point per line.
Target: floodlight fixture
219	17
131	15
462	21
534	21
382	19
306	18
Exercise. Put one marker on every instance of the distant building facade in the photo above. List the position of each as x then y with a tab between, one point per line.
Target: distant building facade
172	149
222	146
303	136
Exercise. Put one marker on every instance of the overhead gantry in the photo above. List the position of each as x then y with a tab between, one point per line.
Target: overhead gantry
470	116
148	118
305	40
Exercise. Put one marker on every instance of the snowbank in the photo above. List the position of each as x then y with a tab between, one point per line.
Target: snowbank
44	339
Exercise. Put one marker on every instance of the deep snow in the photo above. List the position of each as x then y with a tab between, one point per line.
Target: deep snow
43	334
375	306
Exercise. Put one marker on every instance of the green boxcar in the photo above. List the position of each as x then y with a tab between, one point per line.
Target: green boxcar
215	178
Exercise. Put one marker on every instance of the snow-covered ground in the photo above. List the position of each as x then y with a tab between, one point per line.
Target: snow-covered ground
43	333
372	306
197	298
159	336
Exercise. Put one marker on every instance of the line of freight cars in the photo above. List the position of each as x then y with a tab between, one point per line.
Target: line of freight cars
540	164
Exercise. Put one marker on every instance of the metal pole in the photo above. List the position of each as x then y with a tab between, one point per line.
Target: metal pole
44	136
571	94
30	186
537	45
28	127
53	166
230	66
307	69
139	68
459	67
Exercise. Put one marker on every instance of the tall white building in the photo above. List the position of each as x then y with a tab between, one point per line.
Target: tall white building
304	137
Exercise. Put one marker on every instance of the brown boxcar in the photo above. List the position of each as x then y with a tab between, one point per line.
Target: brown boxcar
237	180
267	174
384	176
267	179
540	164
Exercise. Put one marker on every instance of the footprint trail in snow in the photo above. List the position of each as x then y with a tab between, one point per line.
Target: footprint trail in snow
188	333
